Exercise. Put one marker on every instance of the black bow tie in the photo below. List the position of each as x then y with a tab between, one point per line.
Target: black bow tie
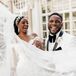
52	38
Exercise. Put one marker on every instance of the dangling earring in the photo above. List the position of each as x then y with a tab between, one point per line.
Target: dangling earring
18	30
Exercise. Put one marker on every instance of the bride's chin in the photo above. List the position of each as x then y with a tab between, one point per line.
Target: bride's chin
25	32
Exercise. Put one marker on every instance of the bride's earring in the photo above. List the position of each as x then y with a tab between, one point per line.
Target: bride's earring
18	30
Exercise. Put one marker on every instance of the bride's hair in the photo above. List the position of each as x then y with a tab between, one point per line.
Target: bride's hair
16	22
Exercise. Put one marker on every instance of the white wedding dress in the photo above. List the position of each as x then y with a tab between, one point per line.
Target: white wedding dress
18	58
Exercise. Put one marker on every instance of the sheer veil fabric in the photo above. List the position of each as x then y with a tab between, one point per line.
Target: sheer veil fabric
18	58
5	49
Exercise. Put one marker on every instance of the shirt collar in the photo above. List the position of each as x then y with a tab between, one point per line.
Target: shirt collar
56	34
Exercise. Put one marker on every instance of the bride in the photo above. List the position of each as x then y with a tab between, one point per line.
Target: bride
18	58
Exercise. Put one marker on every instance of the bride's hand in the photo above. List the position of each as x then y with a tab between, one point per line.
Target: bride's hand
38	43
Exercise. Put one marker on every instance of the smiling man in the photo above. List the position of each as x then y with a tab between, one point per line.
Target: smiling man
57	39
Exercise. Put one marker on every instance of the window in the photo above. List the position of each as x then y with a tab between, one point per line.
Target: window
43	10
44	27
44	18
66	16
74	15
44	34
74	25
67	25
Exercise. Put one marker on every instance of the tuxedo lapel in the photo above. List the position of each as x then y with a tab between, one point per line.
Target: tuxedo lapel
58	42
59	48
56	47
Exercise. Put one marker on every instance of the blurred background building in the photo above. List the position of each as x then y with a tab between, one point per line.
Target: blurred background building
67	8
39	10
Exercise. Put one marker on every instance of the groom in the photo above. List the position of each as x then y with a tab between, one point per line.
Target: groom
57	39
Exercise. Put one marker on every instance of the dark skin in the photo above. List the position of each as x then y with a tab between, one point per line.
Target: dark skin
38	44
54	24
23	27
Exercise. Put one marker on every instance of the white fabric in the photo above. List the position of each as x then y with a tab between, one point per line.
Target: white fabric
35	62
4	52
23	59
51	45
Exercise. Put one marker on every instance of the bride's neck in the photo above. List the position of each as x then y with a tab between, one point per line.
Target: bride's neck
24	36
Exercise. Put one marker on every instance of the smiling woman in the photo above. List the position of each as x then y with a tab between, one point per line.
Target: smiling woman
21	28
